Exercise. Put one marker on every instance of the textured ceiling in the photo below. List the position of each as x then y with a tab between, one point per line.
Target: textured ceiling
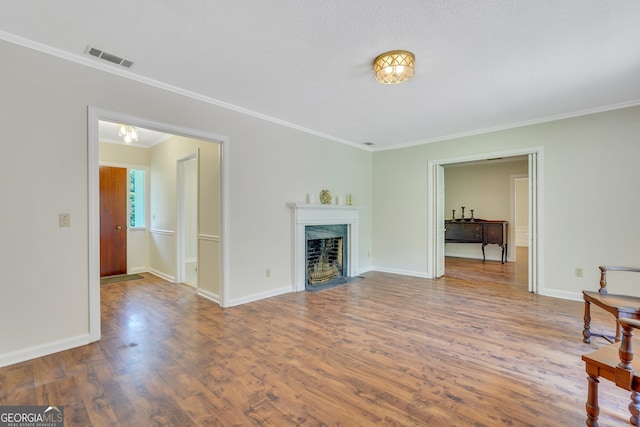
480	65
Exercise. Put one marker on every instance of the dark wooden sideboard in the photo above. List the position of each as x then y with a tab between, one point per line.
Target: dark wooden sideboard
481	231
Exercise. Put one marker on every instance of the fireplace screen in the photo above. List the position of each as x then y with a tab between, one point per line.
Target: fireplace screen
326	253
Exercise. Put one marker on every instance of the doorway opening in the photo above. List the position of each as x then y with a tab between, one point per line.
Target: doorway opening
217	257
187	219
436	212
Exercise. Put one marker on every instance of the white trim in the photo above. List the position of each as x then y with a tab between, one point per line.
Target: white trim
401	272
260	296
162	232
209	237
538	265
209	295
566	295
601	109
93	153
91	62
29	353
162	275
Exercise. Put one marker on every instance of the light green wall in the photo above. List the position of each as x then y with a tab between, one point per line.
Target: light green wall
589	188
45	120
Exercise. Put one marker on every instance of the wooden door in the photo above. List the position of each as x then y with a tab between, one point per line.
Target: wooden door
113	221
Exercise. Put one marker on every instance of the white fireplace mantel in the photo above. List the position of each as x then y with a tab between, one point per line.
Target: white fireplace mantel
316	214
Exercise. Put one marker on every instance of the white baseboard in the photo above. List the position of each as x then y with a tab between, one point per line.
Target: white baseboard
44	349
402	272
260	295
365	270
572	296
209	295
137	270
162	275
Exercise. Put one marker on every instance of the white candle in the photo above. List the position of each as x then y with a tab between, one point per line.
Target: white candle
338	200
310	198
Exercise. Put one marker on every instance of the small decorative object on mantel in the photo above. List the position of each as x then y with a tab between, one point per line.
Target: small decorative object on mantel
472	218
310	199
325	197
453	214
349	199
462	212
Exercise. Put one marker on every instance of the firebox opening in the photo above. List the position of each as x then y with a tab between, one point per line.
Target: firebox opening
326	253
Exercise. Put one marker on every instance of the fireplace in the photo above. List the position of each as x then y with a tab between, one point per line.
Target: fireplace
332	233
326	253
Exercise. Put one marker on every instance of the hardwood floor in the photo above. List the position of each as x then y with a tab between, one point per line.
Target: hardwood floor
471	349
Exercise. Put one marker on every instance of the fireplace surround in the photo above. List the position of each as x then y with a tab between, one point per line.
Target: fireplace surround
314	215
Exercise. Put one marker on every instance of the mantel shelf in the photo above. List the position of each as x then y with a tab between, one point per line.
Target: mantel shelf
322	206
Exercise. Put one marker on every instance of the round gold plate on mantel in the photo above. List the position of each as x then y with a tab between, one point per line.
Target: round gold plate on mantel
325	197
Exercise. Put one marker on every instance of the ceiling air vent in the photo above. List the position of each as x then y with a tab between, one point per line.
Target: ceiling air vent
109	57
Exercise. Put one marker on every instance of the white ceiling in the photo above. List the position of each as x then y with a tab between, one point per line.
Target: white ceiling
480	64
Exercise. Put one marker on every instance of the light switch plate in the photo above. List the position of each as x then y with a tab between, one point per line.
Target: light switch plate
64	220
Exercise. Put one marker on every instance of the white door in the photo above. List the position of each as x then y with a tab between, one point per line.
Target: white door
440	220
533	222
187	220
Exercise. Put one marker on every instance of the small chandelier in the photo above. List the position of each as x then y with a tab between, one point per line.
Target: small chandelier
129	134
394	67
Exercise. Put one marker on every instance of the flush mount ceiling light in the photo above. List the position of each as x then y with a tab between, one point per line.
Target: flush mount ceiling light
394	67
129	134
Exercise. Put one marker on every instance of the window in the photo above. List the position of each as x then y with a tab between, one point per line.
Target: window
136	198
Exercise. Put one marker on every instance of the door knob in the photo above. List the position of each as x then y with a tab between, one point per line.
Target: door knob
118	227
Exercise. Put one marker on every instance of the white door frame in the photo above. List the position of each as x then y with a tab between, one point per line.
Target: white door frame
514	232
94	115
536	243
181	235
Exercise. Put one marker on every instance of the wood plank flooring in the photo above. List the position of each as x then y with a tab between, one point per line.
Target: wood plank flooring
471	349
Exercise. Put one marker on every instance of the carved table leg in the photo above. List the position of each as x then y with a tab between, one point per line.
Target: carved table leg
634	408
586	333
593	410
483	245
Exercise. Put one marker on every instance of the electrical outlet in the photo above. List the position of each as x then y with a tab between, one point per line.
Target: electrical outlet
64	220
578	272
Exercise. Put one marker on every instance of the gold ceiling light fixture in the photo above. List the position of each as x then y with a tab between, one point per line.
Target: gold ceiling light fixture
129	134
394	67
